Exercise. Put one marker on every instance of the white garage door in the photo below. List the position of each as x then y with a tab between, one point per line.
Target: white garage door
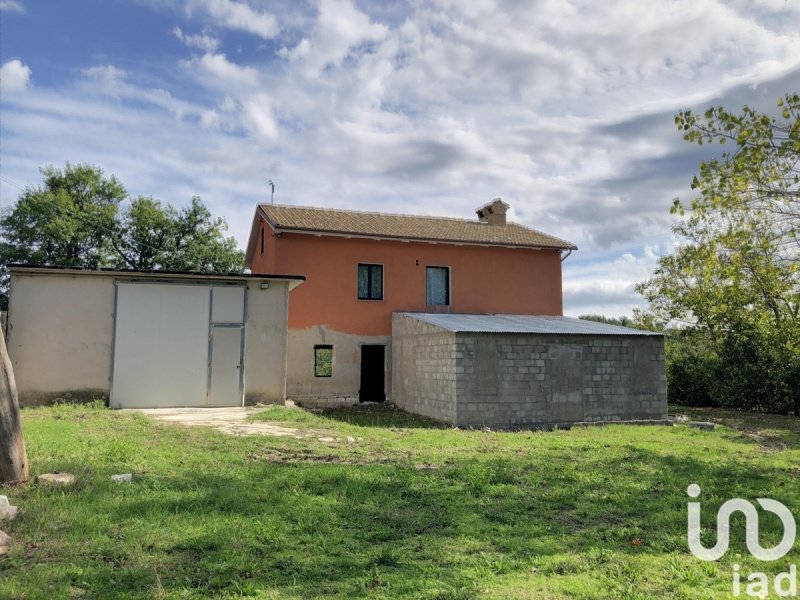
177	345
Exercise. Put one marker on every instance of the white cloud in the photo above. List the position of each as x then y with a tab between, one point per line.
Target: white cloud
15	76
12	6
108	74
237	15
107	80
340	28
258	115
111	81
216	69
606	286
199	41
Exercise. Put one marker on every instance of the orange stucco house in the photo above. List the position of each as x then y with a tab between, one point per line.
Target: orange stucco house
363	267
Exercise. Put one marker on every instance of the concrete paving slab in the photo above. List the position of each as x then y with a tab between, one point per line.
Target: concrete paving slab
230	420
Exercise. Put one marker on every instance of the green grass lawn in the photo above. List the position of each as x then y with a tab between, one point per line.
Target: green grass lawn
394	507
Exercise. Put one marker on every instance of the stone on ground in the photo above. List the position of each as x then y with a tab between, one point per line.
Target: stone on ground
701	425
6	510
5	542
56	479
122	477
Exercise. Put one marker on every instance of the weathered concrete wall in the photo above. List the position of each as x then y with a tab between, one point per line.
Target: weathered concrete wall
343	386
526	380
518	380
59	336
425	369
265	341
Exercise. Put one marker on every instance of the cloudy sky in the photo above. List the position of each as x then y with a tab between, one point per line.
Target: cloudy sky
562	108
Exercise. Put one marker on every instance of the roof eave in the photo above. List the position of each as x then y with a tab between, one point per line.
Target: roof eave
293	280
250	251
335	233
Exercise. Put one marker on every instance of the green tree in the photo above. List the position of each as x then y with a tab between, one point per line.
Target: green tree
78	218
142	235
734	277
621	321
65	221
152	236
200	245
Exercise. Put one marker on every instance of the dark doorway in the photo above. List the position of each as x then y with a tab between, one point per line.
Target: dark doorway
372	375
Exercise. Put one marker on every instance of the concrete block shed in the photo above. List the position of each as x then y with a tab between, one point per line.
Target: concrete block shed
148	339
510	371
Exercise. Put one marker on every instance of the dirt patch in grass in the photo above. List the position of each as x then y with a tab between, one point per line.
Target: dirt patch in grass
771	433
238	421
299	457
767	442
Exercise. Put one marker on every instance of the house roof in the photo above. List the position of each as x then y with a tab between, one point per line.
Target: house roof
461	323
406	227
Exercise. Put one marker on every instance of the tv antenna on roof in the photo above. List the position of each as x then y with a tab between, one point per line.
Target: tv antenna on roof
272	193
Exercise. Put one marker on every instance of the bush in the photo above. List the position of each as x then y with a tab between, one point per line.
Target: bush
753	367
691	366
753	373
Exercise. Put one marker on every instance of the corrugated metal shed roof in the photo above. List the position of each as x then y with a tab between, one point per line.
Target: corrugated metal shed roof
522	324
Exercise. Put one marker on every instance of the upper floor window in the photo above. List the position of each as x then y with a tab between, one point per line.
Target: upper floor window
438	285
370	282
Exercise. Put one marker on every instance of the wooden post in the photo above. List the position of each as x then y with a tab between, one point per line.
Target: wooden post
13	460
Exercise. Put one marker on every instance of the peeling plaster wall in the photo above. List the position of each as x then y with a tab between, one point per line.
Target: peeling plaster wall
343	386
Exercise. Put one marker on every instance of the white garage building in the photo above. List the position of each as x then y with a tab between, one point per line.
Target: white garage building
148	339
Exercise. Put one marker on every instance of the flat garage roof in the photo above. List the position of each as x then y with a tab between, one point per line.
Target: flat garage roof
522	324
157	275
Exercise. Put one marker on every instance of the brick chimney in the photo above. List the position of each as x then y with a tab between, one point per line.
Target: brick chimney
493	213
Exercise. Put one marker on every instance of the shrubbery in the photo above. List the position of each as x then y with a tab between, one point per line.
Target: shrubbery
753	368
691	370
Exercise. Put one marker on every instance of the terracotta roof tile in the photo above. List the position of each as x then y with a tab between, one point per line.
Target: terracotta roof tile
407	227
